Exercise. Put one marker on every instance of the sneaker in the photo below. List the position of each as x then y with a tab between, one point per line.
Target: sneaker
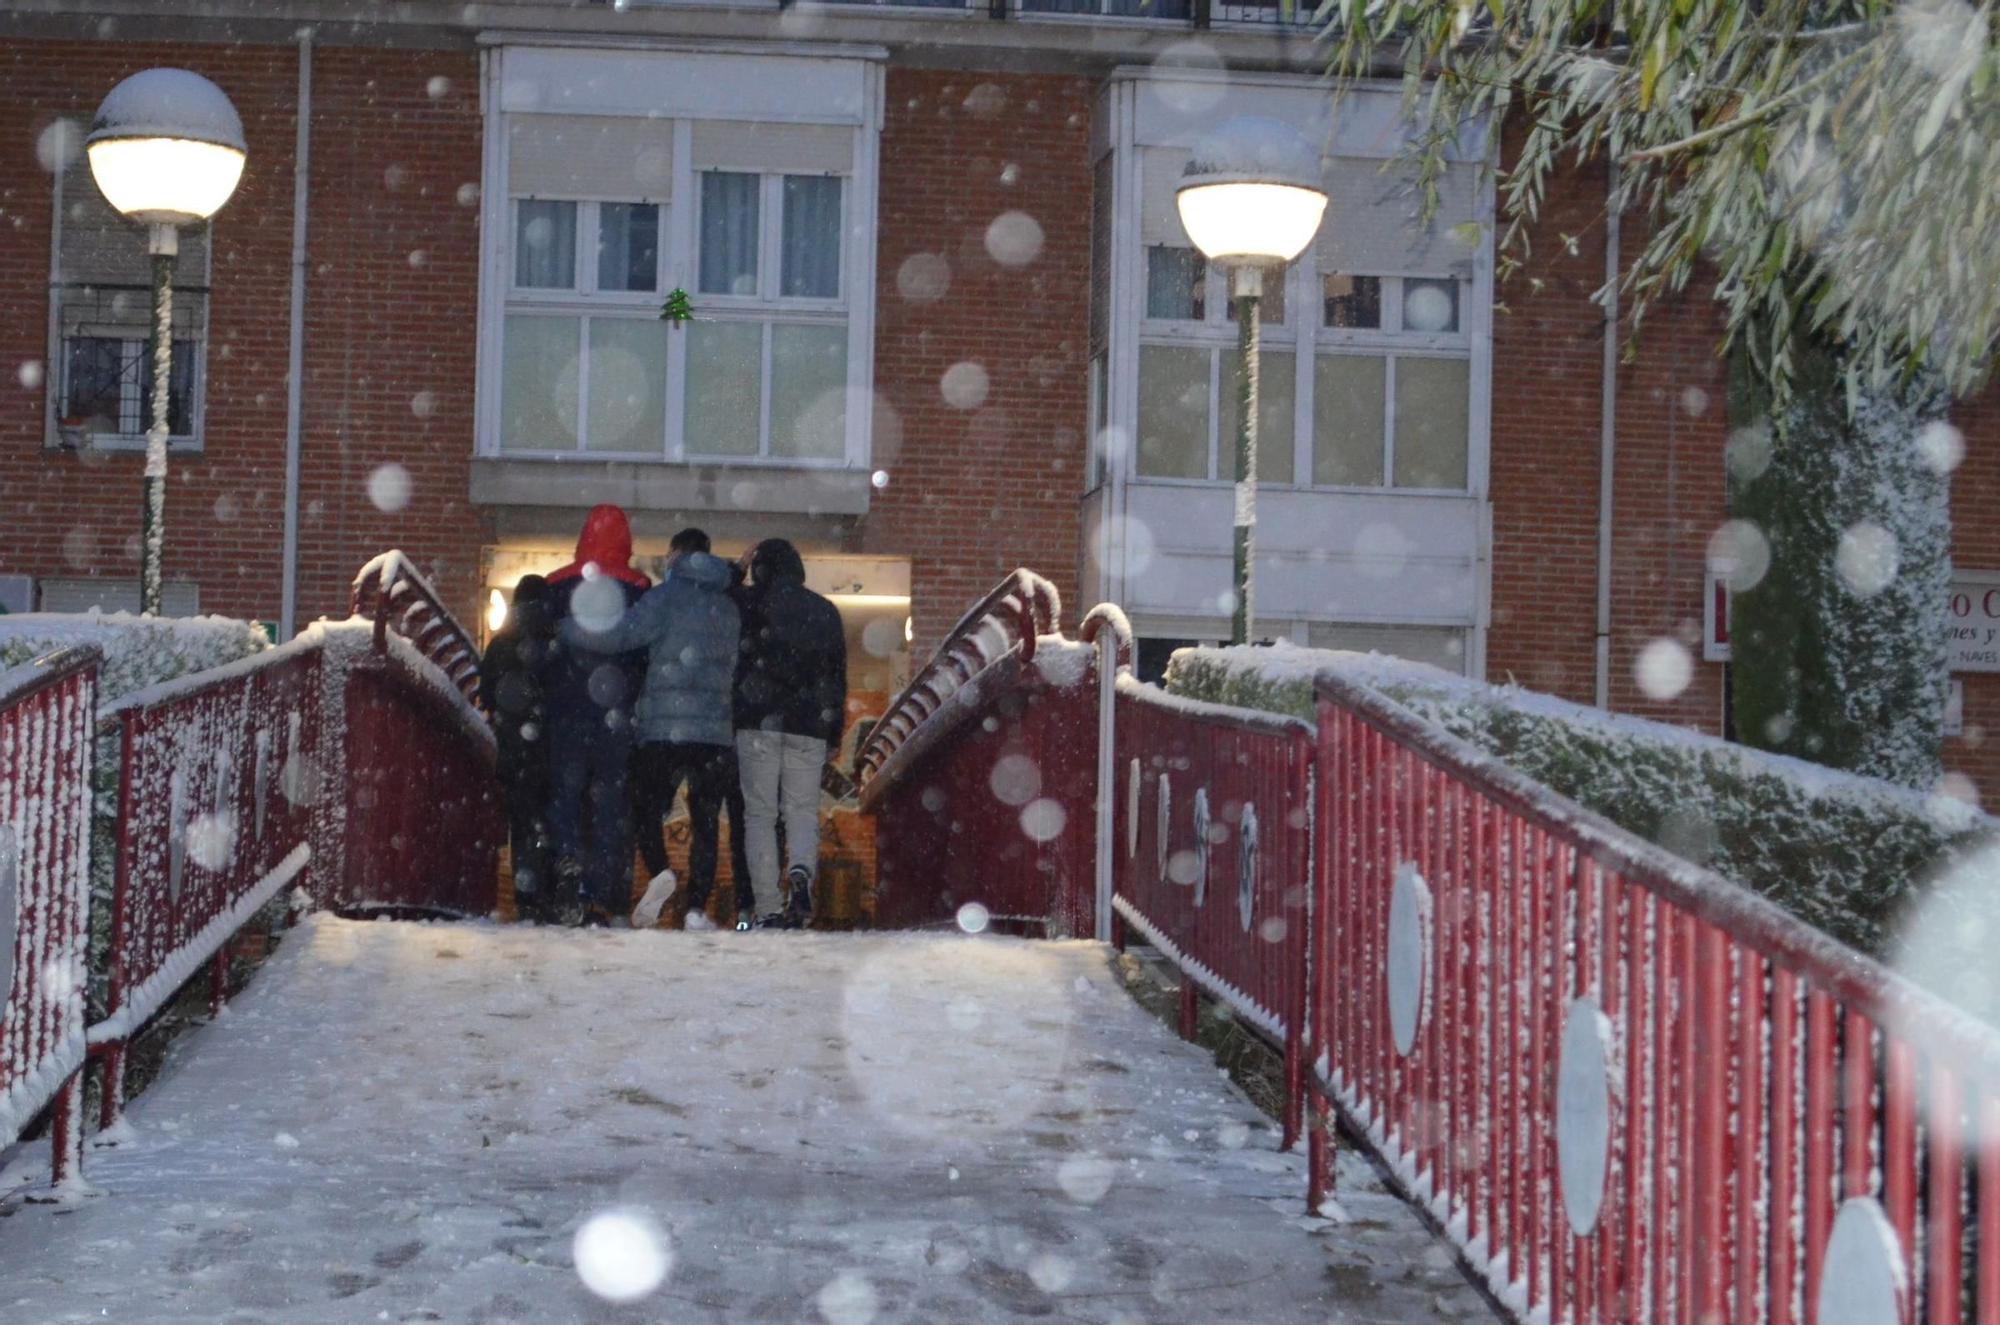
647	913
800	908
777	920
747	921
698	921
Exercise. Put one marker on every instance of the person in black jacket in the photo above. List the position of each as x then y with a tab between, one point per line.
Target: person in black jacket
510	690
790	703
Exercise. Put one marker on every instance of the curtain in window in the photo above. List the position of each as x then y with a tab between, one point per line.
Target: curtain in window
728	232
811	268
545	245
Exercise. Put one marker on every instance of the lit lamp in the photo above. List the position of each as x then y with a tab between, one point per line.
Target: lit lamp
166	150
1250	200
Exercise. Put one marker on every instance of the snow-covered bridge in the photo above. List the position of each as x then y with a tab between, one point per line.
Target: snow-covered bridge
1624	1089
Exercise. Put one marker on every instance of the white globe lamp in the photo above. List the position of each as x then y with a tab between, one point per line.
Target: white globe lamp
166	149
1250	200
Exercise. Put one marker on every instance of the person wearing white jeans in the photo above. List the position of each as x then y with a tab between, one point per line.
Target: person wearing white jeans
780	775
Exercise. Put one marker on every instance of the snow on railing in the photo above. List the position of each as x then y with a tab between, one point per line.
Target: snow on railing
219	778
1628	1088
47	717
392	593
1018	610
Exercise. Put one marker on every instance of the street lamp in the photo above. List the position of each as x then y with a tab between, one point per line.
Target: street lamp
166	150
1250	200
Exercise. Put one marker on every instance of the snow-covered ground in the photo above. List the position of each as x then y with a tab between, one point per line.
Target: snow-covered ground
402	1122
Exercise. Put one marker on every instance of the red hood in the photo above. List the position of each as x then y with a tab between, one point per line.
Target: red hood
606	540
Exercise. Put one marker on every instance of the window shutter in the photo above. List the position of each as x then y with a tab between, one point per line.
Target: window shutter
98	247
610	157
1373	226
1160	170
753	145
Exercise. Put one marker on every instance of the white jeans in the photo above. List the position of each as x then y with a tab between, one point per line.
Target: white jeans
780	772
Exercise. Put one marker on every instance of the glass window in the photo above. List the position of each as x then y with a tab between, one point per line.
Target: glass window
1347	420
1352	301
729	232
538	384
1173	412
1430	307
1176	283
725	384
1432	422
1270	304
1154	654
628	385
1277	393
1441	646
544	244
811	238
808	395
628	246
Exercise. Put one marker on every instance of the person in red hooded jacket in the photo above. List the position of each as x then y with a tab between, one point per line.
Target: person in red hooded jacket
589	698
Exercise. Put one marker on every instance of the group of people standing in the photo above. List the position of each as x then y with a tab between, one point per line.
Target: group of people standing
608	693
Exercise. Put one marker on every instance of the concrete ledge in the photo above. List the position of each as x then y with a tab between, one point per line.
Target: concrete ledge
732	489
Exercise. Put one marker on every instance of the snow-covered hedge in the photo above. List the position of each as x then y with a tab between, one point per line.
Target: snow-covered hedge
1844	853
138	651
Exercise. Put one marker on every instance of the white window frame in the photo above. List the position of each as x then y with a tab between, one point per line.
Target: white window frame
136	338
1303	335
855	308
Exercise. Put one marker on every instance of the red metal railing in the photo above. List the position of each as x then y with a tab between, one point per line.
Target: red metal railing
219	776
1019	608
1627	1088
1212	860
47	717
390	592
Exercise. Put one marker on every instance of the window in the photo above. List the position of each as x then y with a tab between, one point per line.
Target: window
761	243
767	370
102	334
1392	384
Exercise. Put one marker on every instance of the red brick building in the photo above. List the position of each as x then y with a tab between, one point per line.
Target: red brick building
945	323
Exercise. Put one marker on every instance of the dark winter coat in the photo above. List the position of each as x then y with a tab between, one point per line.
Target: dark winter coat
510	687
580	686
689	628
791	676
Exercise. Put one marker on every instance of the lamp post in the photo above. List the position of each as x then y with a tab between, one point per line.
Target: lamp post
1250	200
166	150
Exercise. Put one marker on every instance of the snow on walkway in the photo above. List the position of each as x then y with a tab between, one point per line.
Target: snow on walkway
401	1122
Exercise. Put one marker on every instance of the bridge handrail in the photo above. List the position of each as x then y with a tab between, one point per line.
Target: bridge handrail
390	591
1022	607
47	718
1752	1066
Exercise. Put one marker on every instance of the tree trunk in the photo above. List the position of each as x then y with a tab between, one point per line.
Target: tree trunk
1839	649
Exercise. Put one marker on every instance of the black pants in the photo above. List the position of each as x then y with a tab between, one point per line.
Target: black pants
528	841
658	769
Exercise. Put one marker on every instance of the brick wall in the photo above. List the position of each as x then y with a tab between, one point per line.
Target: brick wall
392	292
1975	494
973	493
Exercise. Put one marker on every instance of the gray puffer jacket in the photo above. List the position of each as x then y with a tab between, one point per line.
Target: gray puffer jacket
689	628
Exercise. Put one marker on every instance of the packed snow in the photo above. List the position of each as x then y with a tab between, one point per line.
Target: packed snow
480	1123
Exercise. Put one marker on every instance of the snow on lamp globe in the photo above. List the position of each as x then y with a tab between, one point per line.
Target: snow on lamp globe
166	149
1251	201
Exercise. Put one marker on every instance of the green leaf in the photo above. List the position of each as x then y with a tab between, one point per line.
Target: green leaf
1942	102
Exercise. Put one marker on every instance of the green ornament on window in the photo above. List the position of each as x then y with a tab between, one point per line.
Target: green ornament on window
677	309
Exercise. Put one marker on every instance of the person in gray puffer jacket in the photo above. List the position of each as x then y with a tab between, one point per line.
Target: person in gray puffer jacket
689	627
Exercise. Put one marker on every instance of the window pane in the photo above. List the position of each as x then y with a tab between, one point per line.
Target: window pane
94	373
180	389
808	391
1440	646
1352	301
628	385
538	384
1277	392
544	244
725	383
1432	420
1430	306
1173	412
1347	420
1176	283
811	268
729	209
628	246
